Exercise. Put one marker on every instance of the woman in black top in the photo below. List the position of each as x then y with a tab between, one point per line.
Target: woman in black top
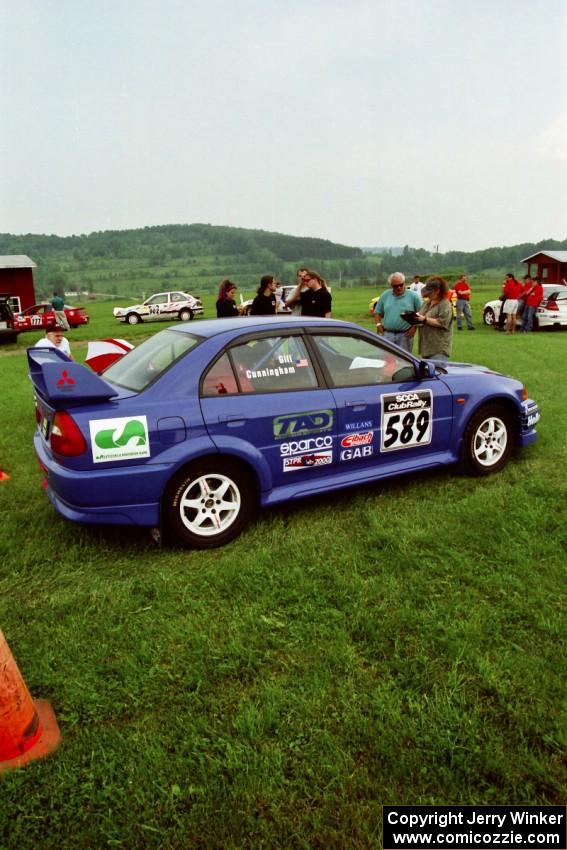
226	308
316	299
265	301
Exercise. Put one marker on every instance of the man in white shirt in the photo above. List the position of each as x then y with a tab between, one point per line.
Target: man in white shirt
55	338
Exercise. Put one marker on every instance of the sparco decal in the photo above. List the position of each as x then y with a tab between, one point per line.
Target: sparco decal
357	440
307	461
406	420
296	424
308	444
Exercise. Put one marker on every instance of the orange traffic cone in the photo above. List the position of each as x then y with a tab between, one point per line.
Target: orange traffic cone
28	728
4	475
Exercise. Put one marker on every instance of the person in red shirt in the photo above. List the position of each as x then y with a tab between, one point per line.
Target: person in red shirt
463	292
534	297
512	291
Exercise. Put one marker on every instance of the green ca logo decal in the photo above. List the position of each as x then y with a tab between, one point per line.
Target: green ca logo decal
113	438
122	438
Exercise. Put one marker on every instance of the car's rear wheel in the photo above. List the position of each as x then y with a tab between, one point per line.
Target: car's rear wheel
186	315
208	503
488	316
488	440
133	319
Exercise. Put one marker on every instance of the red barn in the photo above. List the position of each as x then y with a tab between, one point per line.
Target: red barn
16	280
550	266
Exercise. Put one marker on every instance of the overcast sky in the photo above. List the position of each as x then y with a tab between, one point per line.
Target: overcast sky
368	122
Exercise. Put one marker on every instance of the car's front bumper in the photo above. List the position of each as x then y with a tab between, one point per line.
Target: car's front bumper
528	420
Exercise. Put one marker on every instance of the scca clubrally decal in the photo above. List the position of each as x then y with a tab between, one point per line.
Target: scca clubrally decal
406	420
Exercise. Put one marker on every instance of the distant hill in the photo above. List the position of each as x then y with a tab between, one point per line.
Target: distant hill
195	257
178	240
395	251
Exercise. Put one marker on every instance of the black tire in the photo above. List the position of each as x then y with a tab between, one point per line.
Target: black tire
488	440
133	319
488	317
208	503
186	315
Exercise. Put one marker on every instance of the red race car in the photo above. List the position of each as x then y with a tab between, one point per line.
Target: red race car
42	316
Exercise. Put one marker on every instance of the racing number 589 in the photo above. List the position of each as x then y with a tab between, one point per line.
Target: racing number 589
405	430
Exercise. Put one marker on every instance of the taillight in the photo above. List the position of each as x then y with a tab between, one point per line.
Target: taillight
524	394
66	438
552	305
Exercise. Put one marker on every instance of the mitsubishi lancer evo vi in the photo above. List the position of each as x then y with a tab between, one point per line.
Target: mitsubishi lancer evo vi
193	429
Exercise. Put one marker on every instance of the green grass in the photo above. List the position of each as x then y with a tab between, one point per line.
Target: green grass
397	643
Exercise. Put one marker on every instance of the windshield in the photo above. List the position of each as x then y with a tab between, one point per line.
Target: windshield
137	369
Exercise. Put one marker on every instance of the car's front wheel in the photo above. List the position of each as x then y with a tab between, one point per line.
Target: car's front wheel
186	315
208	503
488	316
488	440
133	319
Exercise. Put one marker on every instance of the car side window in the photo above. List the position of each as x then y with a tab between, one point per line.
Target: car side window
219	380
158	299
353	361
178	296
273	364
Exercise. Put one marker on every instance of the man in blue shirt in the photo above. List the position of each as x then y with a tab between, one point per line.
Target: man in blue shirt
388	311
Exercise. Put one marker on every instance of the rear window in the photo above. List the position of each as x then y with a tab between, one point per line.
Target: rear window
141	366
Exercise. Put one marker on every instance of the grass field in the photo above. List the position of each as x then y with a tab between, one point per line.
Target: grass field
396	643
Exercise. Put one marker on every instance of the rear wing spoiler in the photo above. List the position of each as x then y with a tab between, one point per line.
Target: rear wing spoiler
57	379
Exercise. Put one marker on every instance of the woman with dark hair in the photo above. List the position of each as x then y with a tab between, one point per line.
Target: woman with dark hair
436	320
316	299
265	301
226	308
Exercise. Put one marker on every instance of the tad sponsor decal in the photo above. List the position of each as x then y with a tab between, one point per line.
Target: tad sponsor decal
297	424
122	438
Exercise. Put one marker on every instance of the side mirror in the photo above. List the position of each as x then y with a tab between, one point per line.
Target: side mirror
425	369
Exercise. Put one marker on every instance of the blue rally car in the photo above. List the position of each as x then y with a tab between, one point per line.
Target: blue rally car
193	429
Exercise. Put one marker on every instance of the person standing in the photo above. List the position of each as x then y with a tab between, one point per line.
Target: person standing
226	308
436	325
265	302
316	300
55	338
389	308
59	308
533	298
417	284
463	291
512	291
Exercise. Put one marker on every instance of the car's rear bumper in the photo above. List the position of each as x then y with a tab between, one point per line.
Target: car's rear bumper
105	495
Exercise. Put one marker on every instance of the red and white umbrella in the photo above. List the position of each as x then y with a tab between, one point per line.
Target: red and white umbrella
101	353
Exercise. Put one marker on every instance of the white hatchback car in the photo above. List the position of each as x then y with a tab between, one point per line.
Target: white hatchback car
161	307
552	312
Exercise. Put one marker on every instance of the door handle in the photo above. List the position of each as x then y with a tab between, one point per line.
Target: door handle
355	404
232	421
